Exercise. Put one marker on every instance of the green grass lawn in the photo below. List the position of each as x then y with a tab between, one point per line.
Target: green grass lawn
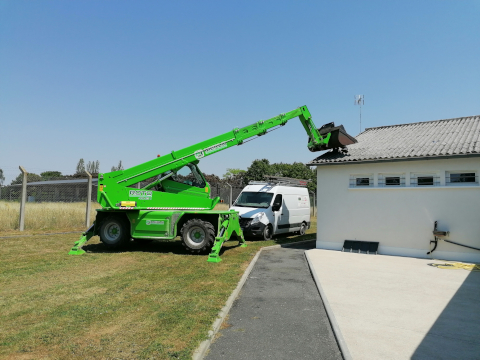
151	301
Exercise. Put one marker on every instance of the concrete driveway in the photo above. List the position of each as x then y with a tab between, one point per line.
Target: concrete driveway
390	307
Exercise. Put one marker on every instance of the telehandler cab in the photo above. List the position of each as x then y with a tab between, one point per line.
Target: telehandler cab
177	201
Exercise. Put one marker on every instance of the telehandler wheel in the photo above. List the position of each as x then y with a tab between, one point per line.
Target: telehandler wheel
303	229
197	236
267	232
114	232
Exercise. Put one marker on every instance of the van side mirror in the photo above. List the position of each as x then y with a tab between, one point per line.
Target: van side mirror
276	206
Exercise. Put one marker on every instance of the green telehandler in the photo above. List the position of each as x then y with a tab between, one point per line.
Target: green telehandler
177	201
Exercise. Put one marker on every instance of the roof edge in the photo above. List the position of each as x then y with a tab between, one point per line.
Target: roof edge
395	160
419	122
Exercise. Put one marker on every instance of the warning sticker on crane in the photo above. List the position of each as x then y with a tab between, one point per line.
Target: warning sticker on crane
141	194
199	154
155	222
210	150
215	148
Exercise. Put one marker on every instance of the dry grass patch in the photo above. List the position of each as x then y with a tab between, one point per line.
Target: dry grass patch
221	206
45	216
149	301
49	217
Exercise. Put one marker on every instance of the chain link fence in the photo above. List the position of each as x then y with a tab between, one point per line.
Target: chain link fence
37	203
55	189
69	202
227	193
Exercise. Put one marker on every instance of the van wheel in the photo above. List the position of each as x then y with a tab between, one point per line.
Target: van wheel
303	229
268	232
197	236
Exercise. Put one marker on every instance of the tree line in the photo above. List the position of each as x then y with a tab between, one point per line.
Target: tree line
93	167
261	167
235	177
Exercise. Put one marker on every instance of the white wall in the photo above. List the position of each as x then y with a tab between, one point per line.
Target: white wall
400	218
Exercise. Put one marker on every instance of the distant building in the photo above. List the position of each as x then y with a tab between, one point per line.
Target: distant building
396	182
65	190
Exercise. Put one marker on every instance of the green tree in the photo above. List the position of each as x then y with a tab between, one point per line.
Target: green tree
31	177
2	178
297	170
80	167
212	179
48	175
118	167
93	167
257	170
234	176
233	173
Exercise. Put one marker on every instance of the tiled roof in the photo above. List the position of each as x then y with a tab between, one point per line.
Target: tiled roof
440	138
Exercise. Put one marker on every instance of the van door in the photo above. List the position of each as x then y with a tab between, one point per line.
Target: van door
281	221
295	207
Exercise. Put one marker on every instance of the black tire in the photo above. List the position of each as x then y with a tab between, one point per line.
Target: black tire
267	232
115	232
197	236
303	229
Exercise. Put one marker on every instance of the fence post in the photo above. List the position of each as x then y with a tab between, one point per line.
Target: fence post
230	201
23	199
89	199
314	203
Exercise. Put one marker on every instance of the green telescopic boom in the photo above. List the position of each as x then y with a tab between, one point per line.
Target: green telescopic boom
193	153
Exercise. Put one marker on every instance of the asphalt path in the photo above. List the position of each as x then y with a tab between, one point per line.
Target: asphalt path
279	313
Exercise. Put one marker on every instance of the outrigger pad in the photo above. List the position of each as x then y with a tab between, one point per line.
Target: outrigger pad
338	139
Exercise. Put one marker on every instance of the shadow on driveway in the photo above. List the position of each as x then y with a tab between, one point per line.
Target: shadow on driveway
456	332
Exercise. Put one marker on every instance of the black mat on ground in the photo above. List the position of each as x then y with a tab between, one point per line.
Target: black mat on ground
358	246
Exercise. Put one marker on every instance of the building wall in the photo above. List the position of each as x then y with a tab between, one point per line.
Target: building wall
400	218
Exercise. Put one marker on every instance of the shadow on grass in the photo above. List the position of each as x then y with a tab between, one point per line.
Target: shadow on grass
176	247
154	246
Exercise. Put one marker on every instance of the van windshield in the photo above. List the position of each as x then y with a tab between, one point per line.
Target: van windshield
254	199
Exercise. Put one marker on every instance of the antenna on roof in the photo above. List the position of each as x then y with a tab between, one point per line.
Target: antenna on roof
359	101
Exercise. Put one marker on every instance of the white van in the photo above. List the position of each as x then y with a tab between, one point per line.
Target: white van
267	208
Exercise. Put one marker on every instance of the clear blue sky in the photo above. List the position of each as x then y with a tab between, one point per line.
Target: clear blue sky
127	80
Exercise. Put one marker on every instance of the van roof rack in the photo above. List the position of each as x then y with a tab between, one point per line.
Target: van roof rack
280	180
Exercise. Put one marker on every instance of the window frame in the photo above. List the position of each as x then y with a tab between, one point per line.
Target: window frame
382	180
354	177
448	181
435	179
198	182
254	205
